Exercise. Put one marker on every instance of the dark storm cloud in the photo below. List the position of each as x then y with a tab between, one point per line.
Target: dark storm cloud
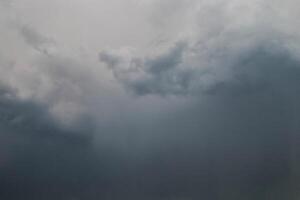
216	118
32	147
201	69
241	134
159	74
31	119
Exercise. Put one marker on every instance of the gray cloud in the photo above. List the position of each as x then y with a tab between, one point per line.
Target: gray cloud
213	53
150	75
243	75
214	113
36	40
236	141
29	117
178	72
33	147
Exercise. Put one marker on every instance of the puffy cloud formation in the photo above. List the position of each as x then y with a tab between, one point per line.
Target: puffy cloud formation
190	100
151	75
223	40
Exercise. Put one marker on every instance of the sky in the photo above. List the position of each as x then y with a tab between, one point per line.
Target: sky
149	100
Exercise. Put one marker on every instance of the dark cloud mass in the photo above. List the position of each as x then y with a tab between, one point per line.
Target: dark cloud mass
172	73
247	127
151	75
211	113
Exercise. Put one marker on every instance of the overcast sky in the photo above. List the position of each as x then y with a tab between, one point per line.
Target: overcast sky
149	99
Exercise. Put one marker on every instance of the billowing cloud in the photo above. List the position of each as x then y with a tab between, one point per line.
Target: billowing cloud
219	45
159	74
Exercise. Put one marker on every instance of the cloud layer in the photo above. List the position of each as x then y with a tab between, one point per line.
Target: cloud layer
147	99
